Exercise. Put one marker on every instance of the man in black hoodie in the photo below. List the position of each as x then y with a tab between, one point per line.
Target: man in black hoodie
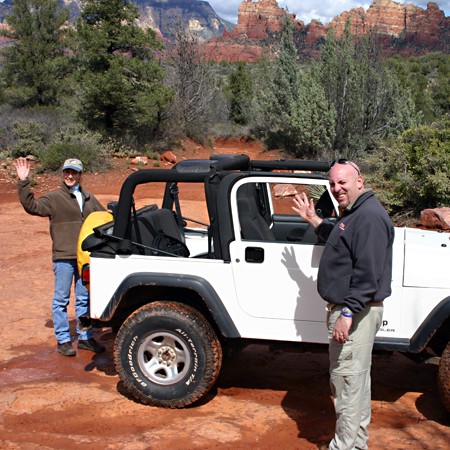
354	278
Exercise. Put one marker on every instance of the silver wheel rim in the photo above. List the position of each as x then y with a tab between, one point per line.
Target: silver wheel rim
163	358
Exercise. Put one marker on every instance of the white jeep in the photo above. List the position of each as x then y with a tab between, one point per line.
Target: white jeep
180	291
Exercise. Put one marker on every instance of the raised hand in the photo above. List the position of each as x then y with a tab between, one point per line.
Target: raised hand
22	168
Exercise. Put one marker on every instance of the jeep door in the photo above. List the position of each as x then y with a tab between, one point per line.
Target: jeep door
275	255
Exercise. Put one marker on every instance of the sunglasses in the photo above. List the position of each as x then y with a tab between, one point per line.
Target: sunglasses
345	161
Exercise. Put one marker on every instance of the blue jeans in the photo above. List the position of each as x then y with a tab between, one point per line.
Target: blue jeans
66	272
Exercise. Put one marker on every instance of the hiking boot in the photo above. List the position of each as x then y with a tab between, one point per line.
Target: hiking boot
66	349
91	344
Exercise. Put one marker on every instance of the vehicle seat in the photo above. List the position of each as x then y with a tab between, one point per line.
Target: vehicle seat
325	206
150	222
253	224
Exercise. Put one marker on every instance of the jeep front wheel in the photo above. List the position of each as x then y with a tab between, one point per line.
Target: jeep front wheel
167	355
444	377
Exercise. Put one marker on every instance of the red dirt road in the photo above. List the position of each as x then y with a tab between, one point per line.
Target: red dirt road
264	398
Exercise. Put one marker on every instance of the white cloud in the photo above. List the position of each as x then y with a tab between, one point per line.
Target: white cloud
227	10
323	10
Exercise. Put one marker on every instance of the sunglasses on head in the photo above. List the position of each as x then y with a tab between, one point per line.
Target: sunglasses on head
345	161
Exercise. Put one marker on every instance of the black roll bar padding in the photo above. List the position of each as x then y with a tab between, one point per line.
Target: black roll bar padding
291	164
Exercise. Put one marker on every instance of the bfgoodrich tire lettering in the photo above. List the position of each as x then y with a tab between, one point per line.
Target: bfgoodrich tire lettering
444	377
167	355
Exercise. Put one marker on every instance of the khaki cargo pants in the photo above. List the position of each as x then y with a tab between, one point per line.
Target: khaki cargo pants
350	365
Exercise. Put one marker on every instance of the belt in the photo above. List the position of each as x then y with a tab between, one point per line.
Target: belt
331	306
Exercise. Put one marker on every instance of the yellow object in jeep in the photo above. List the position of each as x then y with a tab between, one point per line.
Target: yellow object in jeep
95	219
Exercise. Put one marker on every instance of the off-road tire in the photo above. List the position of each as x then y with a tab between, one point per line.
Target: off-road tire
444	377
167	355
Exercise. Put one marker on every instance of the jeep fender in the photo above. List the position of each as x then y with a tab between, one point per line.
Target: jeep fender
432	324
191	282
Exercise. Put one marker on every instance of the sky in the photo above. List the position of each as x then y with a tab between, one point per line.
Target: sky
306	10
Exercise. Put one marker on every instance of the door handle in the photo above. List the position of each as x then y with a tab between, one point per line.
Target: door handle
254	255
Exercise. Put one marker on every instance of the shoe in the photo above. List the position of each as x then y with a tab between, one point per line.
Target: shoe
66	349
91	344
84	323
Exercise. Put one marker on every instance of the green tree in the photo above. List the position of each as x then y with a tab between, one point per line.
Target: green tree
277	93
369	101
35	66
339	79
262	120
440	85
286	75
412	173
428	79
312	122
239	91
387	107
121	79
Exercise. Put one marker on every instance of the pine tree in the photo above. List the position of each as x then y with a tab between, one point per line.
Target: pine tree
340	81
120	77
239	90
264	98
277	93
286	75
368	99
312	123
34	66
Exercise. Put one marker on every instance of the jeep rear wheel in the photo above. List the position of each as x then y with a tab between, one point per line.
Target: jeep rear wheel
167	355
444	377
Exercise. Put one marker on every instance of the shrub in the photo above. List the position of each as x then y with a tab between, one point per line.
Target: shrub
413	172
91	153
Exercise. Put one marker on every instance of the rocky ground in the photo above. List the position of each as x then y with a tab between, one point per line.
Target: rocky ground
264	398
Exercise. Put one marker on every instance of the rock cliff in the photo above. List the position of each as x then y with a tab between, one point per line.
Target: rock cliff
259	24
405	28
196	16
401	29
161	15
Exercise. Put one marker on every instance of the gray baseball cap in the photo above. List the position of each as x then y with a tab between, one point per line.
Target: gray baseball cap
74	164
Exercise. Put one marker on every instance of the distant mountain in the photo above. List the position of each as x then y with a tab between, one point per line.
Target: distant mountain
161	15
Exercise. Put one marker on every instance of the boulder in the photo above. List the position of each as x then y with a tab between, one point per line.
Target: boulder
169	157
139	160
437	218
284	190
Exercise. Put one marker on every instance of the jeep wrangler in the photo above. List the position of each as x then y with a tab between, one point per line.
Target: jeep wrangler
181	291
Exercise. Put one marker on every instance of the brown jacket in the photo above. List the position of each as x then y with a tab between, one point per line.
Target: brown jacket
63	211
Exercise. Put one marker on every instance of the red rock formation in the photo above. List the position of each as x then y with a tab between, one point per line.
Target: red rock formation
410	24
255	20
247	41
316	31
230	51
438	218
402	29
